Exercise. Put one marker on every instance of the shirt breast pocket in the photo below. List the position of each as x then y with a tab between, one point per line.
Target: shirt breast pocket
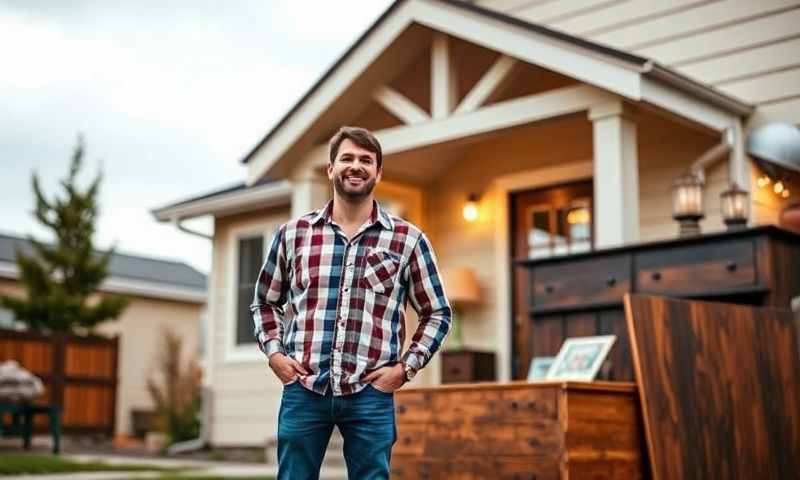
300	275
381	269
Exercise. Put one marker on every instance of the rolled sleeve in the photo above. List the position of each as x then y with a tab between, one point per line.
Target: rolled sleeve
429	300
270	297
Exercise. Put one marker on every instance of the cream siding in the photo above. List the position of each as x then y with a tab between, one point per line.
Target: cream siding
715	42
246	394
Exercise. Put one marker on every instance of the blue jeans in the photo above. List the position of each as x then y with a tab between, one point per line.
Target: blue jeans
305	423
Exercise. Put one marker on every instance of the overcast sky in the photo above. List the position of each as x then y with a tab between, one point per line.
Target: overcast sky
168	94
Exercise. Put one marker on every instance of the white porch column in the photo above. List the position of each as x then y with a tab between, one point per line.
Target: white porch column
310	191
616	175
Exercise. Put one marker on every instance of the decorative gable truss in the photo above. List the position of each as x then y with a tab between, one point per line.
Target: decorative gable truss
457	118
600	75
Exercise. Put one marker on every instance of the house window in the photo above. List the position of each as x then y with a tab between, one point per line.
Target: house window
552	221
6	318
558	229
251	254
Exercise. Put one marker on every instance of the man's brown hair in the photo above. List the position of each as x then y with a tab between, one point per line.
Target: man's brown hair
361	137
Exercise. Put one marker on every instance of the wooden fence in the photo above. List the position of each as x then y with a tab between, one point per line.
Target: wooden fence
78	373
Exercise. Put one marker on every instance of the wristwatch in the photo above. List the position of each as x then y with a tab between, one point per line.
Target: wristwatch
410	372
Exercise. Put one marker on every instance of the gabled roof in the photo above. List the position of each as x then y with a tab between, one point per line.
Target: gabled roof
659	75
121	268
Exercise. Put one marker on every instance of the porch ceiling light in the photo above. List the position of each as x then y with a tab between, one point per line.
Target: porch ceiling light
687	203
735	207
470	211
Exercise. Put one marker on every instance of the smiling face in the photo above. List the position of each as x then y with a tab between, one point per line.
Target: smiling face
354	172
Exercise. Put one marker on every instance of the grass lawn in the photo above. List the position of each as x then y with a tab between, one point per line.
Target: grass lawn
209	477
22	463
29	463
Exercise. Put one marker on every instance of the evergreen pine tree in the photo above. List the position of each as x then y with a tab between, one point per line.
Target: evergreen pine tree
60	279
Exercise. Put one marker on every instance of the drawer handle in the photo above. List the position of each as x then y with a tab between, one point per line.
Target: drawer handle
401	409
731	266
455	370
656	276
611	281
514	405
549	288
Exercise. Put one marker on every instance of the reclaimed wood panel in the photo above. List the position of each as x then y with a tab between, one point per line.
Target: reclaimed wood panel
519	430
719	388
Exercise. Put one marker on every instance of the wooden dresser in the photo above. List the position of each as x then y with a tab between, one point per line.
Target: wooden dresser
463	366
581	294
519	431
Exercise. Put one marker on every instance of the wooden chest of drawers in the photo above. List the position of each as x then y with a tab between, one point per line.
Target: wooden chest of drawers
462	366
581	294
520	431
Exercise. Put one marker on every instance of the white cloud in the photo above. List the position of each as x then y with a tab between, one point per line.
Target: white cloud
170	95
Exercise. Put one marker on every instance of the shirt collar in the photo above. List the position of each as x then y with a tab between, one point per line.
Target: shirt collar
378	215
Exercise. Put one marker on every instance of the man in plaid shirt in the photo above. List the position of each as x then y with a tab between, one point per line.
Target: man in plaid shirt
329	313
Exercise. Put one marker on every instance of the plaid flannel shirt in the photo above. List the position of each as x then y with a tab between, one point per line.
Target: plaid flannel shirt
346	298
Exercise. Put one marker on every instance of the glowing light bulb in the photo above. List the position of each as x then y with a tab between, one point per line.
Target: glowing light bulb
763	181
778	188
785	193
470	212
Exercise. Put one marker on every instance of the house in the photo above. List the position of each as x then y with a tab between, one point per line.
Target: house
565	122
163	294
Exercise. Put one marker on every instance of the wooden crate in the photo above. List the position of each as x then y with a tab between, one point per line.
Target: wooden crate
519	430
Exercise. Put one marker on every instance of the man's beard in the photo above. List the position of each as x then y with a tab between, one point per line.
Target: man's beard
352	194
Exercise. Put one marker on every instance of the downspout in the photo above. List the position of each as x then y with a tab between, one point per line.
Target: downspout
205	390
733	142
178	223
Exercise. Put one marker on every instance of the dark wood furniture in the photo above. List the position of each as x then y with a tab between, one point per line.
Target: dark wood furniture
581	294
719	387
519	431
16	420
460	366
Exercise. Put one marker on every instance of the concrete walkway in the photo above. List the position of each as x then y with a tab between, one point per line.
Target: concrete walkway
197	467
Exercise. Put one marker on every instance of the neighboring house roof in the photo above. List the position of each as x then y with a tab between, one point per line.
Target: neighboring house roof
128	274
646	67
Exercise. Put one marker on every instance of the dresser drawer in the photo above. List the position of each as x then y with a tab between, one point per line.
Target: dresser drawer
414	408
410	439
464	366
697	269
581	282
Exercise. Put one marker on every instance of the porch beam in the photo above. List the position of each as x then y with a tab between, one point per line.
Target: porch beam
310	191
400	106
616	175
444	80
499	116
510	113
490	83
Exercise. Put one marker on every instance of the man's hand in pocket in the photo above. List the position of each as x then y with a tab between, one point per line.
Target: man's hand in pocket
286	368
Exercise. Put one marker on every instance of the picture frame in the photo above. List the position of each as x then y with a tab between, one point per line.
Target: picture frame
580	358
539	367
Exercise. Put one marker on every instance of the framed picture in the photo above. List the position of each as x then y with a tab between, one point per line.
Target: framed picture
539	367
580	358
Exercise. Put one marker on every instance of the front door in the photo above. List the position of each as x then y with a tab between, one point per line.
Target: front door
549	221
